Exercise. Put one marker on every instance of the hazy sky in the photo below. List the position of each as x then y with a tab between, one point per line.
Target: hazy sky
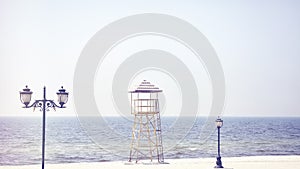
257	42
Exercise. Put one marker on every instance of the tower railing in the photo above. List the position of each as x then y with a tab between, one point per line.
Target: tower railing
144	106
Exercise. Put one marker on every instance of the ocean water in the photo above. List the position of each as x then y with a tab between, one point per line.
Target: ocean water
67	141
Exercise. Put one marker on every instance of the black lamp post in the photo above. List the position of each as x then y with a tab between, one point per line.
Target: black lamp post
219	124
44	104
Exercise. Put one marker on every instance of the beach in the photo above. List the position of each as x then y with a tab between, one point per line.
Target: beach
252	162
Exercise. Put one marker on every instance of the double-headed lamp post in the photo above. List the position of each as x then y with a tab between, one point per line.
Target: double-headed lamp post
43	104
219	124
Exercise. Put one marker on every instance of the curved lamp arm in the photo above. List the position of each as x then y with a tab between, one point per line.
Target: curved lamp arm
48	104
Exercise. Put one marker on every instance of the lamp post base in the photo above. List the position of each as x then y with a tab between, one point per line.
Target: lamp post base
219	163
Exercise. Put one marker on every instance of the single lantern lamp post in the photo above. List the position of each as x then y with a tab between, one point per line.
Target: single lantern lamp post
219	124
43	104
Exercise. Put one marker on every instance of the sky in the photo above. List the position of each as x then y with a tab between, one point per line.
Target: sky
257	42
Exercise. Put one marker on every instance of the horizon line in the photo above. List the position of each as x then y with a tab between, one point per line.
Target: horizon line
230	116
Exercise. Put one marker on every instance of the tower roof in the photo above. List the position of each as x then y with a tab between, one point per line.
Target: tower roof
146	87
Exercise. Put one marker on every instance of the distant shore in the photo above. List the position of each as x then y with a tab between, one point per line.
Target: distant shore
252	162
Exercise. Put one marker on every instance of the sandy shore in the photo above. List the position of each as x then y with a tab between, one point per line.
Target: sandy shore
257	162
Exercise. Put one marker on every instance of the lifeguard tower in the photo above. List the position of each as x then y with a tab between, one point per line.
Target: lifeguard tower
146	130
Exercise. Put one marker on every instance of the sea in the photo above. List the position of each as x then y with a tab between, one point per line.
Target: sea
69	141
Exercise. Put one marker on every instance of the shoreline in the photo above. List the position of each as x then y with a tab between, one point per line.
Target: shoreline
247	162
